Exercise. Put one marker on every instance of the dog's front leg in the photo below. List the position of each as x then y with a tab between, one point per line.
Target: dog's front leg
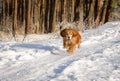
79	42
79	45
71	48
65	44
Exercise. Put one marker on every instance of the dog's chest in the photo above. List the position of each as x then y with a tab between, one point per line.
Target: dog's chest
69	42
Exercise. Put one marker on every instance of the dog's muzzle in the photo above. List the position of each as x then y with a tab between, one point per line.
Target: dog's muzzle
68	37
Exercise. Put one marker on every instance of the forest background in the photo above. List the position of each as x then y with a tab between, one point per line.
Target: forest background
22	17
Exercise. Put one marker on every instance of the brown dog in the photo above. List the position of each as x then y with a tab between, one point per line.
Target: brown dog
71	38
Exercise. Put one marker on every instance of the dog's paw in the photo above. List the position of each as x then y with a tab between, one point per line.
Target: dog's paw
70	51
65	47
78	46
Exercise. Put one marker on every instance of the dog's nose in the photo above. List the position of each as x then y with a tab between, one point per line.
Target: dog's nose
68	38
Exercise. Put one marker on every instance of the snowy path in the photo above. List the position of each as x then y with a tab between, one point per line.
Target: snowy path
98	59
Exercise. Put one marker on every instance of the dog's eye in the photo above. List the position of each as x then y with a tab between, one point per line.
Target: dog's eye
66	35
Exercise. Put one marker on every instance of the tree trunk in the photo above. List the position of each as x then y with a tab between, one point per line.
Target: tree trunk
81	23
54	16
91	15
14	18
42	16
104	11
77	10
62	10
51	13
47	8
107	18
97	21
28	7
7	11
3	12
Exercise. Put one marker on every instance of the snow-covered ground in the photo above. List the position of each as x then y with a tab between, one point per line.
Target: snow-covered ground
98	59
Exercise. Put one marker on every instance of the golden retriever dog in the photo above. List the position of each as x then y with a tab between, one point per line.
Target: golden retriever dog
71	38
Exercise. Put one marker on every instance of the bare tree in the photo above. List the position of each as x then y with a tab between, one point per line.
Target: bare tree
97	21
107	17
14	18
91	14
104	11
3	12
28	17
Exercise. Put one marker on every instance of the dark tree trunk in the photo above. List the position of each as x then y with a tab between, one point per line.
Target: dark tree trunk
104	11
97	21
3	12
28	18
14	18
107	17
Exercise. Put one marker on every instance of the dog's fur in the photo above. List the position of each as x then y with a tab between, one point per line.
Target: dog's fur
71	38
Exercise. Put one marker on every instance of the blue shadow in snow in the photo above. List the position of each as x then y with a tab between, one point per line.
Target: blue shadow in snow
33	46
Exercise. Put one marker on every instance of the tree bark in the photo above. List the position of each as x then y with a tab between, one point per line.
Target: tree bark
91	15
104	11
81	27
107	18
14	18
97	21
3	12
28	7
42	16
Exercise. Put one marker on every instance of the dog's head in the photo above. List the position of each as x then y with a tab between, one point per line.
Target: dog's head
68	33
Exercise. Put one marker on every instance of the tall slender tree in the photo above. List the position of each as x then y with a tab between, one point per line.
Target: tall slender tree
14	17
97	21
104	11
107	17
81	27
28	17
3	12
91	14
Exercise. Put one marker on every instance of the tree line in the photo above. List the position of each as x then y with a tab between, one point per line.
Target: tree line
42	16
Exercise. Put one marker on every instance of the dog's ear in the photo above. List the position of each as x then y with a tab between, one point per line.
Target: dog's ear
63	33
75	33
